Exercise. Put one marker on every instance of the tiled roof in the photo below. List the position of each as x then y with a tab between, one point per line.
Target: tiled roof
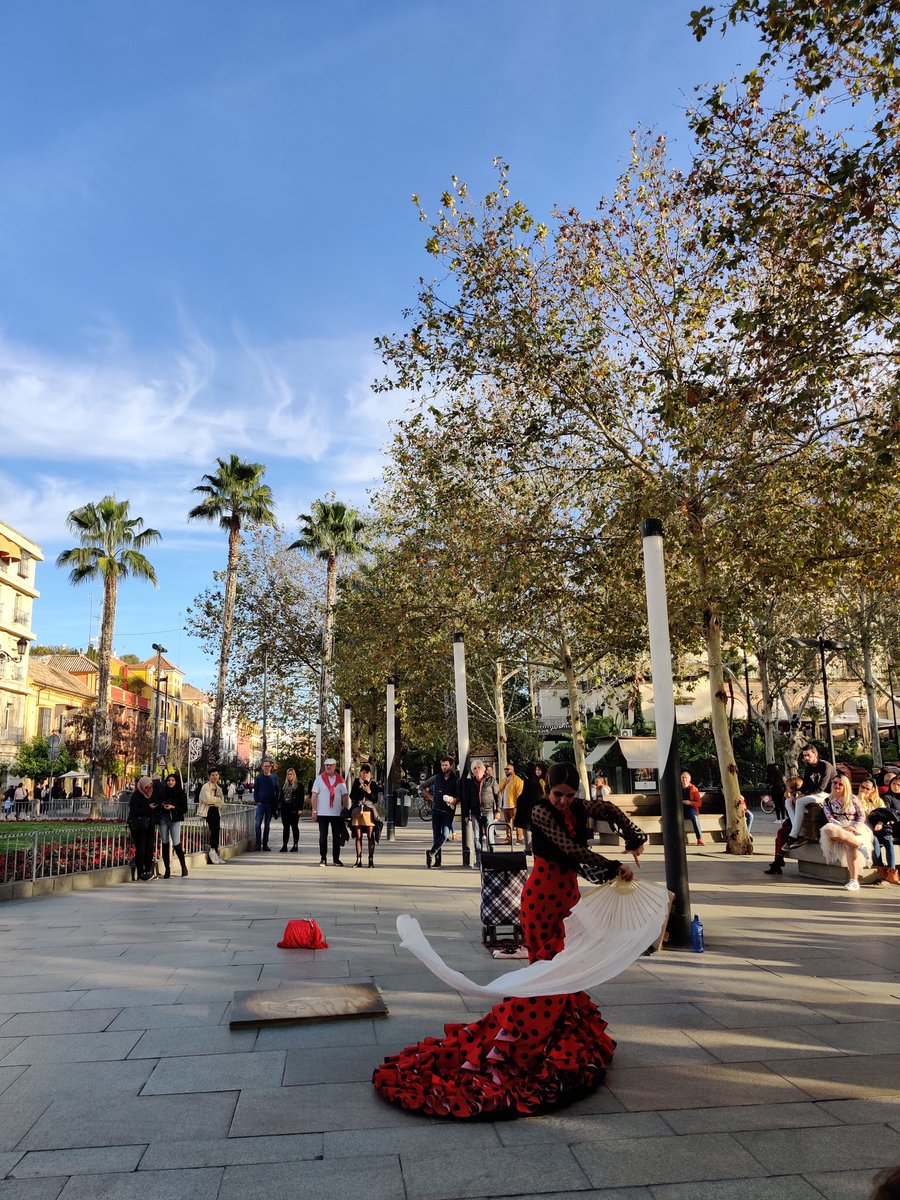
193	694
164	664
75	664
46	676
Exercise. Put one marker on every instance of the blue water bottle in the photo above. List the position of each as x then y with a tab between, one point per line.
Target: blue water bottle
697	935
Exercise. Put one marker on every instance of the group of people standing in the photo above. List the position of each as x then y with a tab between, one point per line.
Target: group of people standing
480	800
157	805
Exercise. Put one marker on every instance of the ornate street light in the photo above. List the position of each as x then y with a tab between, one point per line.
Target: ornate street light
822	644
21	646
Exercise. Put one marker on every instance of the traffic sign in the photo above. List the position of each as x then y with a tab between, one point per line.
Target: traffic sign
163	743
195	749
53	743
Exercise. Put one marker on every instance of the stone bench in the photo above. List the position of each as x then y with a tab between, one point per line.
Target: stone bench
811	861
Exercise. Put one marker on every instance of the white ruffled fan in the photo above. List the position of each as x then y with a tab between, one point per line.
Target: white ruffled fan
606	931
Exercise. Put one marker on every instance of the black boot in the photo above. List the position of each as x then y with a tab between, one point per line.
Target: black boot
775	868
372	857
166	861
179	854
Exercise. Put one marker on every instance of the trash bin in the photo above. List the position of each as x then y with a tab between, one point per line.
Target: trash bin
402	805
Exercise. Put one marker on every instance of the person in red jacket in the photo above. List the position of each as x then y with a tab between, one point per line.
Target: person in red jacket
691	802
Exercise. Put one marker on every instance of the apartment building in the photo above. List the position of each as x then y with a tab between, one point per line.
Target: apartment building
19	557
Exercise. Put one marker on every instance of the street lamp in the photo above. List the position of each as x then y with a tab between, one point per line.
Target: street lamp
822	644
21	646
160	651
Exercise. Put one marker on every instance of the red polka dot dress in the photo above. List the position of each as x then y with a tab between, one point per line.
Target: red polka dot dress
526	1055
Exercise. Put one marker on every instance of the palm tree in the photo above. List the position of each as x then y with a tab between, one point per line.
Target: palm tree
234	496
112	544
329	531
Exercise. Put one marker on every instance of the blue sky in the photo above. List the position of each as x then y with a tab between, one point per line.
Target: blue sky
205	220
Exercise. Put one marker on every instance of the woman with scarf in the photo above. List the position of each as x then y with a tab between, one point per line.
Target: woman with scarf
173	807
526	1055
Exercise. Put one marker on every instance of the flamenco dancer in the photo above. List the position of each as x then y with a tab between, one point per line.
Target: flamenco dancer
529	1055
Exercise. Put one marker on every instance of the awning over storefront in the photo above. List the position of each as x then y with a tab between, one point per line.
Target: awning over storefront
9	550
639	752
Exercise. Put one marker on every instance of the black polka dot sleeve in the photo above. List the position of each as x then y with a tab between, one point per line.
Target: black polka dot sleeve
633	836
592	866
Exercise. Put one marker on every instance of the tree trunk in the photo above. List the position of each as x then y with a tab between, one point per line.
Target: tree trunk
737	839
500	712
327	638
575	716
869	685
101	735
769	712
234	545
532	693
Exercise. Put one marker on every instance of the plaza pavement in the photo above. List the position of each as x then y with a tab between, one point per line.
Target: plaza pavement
765	1068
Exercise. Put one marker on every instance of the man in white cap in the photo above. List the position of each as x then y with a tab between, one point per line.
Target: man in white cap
329	799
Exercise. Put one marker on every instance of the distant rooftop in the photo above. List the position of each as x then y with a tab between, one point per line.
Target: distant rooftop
74	664
44	675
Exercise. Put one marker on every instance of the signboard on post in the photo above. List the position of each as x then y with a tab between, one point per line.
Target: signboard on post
164	744
54	741
195	749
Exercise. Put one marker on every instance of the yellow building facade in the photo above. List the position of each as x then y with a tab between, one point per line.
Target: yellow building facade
19	556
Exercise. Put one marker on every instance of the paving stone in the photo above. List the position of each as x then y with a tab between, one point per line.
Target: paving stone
866	1037
16	1121
741	1014
572	1126
173	1043
324	1066
785	1187
672	1016
32	1189
702	1156
113	1122
90	1080
862	1112
94	1160
72	1048
318	1108
416	1138
93	1020
505	1172
329	1034
164	1155
8	1076
800	1151
8	1160
215	1073
376	1178
170	1016
649	1089
859	1077
647	1047
756	1045
200	1184
843	1185
34	1002
123	997
13	985
750	1116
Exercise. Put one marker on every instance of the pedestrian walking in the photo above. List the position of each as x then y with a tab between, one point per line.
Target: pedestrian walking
172	811
443	791
510	790
329	799
142	815
209	806
480	802
533	790
267	794
291	804
364	813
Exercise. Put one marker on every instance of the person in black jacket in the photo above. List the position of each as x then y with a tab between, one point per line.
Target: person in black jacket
143	809
442	789
534	790
480	803
172	811
291	804
364	812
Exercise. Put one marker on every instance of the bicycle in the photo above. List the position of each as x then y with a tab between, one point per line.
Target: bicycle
767	804
426	805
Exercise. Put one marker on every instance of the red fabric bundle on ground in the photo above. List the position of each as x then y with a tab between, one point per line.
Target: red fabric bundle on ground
302	935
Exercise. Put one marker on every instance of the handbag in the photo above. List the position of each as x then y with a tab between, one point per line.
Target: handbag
142	824
379	826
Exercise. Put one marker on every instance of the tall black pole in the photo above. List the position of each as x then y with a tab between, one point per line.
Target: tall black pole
751	734
828	732
460	688
679	927
893	705
155	744
265	704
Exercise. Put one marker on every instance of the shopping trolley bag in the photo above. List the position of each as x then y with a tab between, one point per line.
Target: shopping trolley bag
503	875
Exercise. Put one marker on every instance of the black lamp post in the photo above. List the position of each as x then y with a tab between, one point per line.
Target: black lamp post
21	647
822	644
893	706
160	651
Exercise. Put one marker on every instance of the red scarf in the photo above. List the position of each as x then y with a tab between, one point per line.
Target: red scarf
332	787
